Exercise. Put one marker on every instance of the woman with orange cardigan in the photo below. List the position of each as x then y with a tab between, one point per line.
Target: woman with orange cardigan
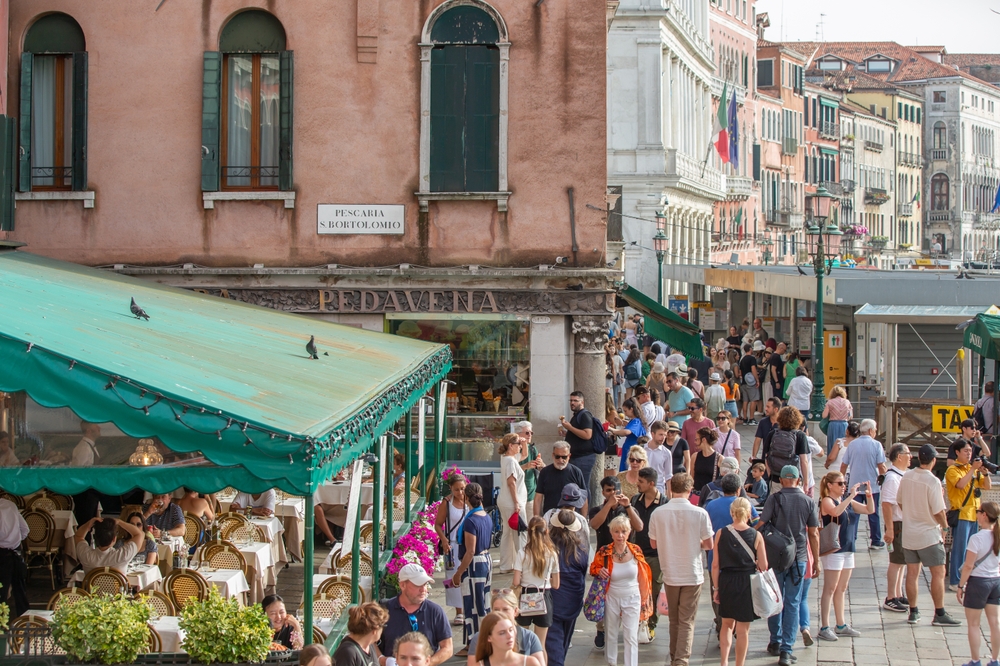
629	598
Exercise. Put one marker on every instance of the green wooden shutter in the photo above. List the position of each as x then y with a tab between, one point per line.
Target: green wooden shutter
79	154
285	118
24	182
756	161
211	116
8	147
482	118
448	132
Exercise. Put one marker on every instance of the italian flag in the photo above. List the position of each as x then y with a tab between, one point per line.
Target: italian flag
719	129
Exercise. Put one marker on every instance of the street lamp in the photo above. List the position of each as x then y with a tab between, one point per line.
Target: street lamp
819	207
660	246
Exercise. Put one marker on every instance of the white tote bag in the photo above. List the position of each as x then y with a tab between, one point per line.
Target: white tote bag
763	585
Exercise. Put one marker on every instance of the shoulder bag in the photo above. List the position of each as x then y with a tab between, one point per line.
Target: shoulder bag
780	547
593	605
532	603
952	515
764	588
829	536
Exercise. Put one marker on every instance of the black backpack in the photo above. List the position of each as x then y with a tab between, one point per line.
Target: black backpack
600	440
782	450
980	419
780	547
633	371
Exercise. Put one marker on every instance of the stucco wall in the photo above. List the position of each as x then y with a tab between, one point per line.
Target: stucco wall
356	138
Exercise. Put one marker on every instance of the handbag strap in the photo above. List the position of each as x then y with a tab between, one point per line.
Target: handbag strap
972	485
742	542
726	443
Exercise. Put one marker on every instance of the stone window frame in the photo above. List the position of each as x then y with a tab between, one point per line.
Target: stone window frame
424	194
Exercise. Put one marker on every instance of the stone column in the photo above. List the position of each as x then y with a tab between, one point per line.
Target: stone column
589	370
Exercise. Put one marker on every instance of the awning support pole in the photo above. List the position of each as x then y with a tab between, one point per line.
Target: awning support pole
409	465
996	410
390	511
307	572
356	555
376	518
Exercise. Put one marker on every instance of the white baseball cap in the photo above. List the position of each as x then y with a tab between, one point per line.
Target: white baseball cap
414	573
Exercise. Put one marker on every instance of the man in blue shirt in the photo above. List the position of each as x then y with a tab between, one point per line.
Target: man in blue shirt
865	458
678	397
413	611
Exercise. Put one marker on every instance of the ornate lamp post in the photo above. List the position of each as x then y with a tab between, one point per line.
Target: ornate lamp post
660	246
820	236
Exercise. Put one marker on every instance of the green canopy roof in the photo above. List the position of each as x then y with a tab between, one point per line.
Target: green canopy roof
666	325
983	336
207	374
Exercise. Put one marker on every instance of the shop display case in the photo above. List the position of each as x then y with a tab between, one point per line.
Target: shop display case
473	436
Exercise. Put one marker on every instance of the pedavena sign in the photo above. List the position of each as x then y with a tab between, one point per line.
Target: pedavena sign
359	219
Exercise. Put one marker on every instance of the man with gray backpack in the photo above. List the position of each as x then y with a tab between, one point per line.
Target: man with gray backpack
788	515
786	445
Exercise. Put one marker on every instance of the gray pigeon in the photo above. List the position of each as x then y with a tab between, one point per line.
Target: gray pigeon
311	347
137	311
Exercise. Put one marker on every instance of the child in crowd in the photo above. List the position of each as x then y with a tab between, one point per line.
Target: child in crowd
757	489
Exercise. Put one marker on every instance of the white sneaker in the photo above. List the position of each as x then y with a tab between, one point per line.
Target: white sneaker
848	630
826	634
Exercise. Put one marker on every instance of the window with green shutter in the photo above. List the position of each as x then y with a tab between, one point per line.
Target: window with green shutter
53	113
465	102
247	107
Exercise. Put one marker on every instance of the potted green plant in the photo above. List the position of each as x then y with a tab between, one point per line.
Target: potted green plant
102	628
220	631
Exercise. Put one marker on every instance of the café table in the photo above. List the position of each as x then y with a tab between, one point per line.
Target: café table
338	492
290	513
66	526
167	626
141	576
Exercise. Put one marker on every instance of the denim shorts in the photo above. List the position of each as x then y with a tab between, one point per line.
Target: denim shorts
981	591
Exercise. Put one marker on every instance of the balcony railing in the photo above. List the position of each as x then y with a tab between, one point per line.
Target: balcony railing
876	196
910	159
939	154
939	216
738	188
873	146
904	209
789	146
847	185
788	218
829	130
834	188
771	216
691	173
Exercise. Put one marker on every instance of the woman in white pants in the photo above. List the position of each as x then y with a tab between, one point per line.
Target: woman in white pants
513	499
628	600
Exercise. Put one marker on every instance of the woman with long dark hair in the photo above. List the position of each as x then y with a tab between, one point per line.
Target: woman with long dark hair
705	461
634	359
566	532
450	514
631	431
474	573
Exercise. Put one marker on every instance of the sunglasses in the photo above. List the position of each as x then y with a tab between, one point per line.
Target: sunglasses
560	457
639	460
839	483
497	593
414	625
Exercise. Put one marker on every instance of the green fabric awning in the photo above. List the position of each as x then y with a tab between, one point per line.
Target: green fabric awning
203	374
983	336
665	325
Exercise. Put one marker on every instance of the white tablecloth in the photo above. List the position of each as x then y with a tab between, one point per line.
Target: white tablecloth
229	582
171	635
338	492
165	549
142	576
288	520
65	529
261	564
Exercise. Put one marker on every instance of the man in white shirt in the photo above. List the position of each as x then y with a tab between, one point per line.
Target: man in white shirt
85	453
261	504
103	553
922	505
13	572
800	391
899	457
658	456
682	531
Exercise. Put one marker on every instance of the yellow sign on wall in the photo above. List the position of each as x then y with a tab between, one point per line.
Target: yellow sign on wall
835	357
948	418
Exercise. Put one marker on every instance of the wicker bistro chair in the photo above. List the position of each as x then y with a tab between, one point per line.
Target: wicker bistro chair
183	584
44	502
343	564
38	544
338	590
224	555
16	499
194	530
105	580
65	501
160	604
366	534
226	520
35	631
243	532
155	642
66	596
318	636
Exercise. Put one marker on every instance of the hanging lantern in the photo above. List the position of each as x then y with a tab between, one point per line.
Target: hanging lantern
145	454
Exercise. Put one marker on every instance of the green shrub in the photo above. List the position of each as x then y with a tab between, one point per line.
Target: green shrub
219	630
108	629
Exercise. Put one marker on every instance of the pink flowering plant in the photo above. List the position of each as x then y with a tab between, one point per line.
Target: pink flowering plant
418	546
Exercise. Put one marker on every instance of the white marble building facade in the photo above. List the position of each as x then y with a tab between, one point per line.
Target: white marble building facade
660	110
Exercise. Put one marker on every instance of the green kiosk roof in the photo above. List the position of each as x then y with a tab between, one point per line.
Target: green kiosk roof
665	325
983	336
202	374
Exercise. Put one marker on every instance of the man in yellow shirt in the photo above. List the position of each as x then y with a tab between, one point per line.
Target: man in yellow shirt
962	481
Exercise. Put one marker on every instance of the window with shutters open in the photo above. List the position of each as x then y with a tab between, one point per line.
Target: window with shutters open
53	106
247	107
463	115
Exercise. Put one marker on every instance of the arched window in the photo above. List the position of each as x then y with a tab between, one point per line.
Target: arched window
940	136
54	106
247	109
939	192
464	129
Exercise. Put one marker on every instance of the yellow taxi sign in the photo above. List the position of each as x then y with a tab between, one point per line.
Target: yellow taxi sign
948	418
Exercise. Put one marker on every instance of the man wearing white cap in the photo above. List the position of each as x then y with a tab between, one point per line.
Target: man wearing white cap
413	611
715	396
